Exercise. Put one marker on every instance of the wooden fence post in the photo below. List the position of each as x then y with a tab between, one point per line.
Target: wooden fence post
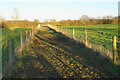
86	37
114	49
21	40
30	34
73	33
26	36
10	55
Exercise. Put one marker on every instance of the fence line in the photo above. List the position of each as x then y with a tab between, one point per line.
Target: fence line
85	41
35	30
19	50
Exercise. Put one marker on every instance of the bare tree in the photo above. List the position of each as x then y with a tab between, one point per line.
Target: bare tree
85	19
16	14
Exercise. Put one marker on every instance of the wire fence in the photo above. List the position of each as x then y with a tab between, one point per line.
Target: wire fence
13	48
9	52
84	38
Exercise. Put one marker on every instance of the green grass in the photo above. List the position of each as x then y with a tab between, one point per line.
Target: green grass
53	55
97	34
14	35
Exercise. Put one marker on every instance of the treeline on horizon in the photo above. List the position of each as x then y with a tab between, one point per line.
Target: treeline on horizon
84	20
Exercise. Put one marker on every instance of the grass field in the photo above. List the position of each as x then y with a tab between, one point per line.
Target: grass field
96	34
53	55
14	35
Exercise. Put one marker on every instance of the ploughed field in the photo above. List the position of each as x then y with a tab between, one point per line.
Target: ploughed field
52	54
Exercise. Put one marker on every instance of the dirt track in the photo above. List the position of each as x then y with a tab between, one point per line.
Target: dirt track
51	55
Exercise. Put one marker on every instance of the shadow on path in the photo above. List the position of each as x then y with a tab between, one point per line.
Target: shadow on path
51	54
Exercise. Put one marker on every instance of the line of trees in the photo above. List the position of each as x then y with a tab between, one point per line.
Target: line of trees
85	20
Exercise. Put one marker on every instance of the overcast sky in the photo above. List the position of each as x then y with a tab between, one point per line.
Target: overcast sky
58	9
